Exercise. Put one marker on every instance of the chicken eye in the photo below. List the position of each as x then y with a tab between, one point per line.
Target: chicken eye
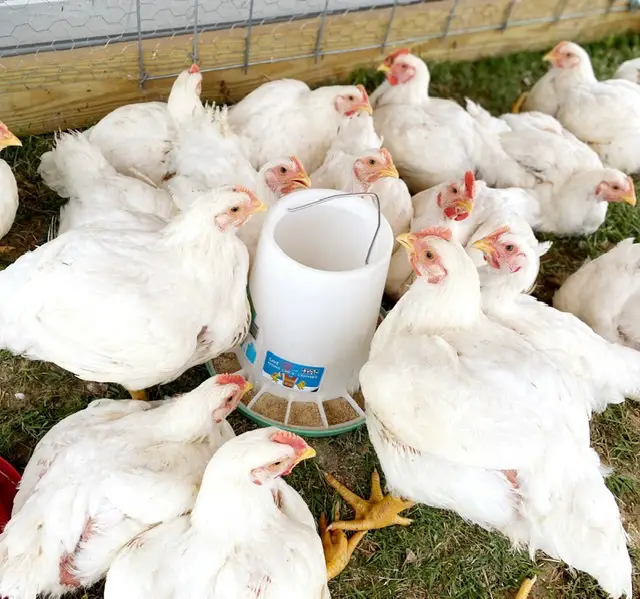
235	209
350	98
429	255
615	187
509	247
283	170
454	189
404	66
229	399
371	161
278	463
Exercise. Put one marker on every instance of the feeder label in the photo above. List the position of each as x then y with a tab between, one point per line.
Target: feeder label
291	375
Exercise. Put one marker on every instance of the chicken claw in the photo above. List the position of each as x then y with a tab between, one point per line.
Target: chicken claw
517	105
379	511
525	588
338	548
141	395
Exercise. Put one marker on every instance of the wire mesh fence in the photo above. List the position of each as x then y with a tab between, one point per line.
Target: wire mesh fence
225	34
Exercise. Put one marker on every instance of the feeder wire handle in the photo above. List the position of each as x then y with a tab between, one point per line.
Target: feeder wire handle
373	196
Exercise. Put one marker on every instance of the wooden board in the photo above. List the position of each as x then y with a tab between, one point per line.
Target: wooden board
70	89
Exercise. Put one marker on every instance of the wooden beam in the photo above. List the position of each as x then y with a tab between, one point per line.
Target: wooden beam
70	89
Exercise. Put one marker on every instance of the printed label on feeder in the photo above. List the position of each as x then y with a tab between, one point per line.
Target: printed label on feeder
293	376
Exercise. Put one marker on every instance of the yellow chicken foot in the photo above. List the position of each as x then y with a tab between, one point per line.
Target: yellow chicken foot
338	548
141	395
525	588
6	249
517	106
379	511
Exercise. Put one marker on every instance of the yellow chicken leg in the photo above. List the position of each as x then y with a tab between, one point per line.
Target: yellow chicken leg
379	511
525	588
338	549
141	395
517	106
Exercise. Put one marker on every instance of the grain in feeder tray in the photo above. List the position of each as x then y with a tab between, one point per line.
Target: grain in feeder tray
248	396
271	406
304	413
339	411
227	363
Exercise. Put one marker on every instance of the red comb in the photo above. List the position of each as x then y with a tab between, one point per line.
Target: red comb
194	69
469	183
232	379
297	162
441	232
499	232
363	91
286	438
390	59
243	189
386	155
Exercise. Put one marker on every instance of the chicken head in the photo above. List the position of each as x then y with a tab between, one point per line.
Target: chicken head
373	166
500	250
232	388
616	187
566	55
423	253
457	199
353	102
286	176
236	207
400	66
286	450
7	138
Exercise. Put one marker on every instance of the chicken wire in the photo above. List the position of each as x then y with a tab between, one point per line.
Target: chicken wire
38	26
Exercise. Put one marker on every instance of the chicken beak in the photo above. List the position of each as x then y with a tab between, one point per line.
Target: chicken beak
550	56
407	240
302	181
11	140
630	198
247	387
384	68
258	207
488	249
309	452
390	171
466	205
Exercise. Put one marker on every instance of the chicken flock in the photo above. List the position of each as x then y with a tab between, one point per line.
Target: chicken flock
478	396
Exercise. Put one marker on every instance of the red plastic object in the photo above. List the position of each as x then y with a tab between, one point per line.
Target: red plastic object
9	479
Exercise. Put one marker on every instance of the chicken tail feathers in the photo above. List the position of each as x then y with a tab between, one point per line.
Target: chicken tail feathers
73	162
571	515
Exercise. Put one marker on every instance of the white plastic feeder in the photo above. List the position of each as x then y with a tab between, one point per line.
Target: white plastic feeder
316	289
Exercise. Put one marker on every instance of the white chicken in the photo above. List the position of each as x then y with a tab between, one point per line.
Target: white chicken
8	186
264	545
371	170
285	117
136	308
605	293
509	270
629	70
466	415
461	206
101	477
98	194
431	140
543	96
571	187
604	114
135	139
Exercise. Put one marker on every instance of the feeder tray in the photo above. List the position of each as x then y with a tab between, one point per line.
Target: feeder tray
296	414
9	479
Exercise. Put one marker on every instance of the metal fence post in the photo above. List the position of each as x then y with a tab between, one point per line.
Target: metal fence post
194	50
142	75
247	39
452	14
389	24
323	17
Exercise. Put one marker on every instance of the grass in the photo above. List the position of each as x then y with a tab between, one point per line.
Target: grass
439	555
